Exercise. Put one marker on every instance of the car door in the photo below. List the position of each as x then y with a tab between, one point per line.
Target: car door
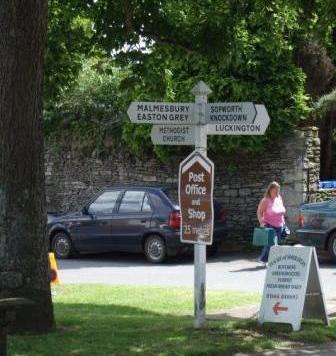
94	233
131	221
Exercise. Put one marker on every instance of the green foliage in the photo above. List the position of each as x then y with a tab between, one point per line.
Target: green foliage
70	37
325	105
321	24
91	110
244	50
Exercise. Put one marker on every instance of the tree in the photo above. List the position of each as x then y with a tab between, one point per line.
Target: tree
325	113
23	248
244	50
89	110
279	53
316	55
69	41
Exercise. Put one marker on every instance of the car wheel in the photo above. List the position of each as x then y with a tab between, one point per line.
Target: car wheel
155	249
61	245
332	246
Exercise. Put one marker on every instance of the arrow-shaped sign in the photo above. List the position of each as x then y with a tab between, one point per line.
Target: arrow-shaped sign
278	308
258	127
161	113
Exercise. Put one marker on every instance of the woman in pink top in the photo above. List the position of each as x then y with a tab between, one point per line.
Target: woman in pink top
271	213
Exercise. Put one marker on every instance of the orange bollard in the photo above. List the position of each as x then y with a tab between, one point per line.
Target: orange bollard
54	276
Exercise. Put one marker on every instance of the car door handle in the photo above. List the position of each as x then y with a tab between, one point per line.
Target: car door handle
104	222
143	221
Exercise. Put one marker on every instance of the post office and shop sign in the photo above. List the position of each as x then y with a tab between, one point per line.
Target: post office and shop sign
196	199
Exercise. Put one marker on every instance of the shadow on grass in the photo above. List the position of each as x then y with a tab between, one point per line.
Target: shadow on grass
87	329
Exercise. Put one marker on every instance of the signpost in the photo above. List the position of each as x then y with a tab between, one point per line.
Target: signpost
195	196
292	289
189	124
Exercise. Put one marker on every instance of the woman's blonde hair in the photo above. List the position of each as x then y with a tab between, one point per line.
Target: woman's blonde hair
271	186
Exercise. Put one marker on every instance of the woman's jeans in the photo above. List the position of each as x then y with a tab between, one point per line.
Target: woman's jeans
265	251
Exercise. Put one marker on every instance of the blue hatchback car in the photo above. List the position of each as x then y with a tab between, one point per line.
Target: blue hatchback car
126	218
318	226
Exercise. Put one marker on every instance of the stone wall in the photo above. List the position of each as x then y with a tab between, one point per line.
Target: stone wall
240	180
322	195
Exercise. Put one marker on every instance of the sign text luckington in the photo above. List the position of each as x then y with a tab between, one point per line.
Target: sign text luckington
196	194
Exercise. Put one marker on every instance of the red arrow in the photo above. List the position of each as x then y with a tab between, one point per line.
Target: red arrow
277	308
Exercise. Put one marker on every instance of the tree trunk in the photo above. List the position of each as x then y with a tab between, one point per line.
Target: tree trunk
327	146
24	270
321	79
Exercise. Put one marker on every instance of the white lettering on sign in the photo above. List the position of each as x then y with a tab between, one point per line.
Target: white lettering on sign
196	214
195	189
196	177
192	188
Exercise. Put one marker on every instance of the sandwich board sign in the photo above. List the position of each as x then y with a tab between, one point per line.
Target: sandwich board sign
292	289
195	196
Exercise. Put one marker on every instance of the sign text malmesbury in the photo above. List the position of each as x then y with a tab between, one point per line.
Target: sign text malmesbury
161	113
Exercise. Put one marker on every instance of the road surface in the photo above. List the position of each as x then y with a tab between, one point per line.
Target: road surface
230	271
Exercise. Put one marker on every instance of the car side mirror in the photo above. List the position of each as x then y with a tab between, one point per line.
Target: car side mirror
85	210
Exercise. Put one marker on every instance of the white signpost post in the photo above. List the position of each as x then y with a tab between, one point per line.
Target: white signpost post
189	124
292	289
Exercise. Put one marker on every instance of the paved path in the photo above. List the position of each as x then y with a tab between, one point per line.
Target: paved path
232	271
313	350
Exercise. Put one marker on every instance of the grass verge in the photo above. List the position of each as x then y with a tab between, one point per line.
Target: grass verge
109	320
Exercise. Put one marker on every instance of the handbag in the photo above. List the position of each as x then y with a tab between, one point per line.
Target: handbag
263	236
